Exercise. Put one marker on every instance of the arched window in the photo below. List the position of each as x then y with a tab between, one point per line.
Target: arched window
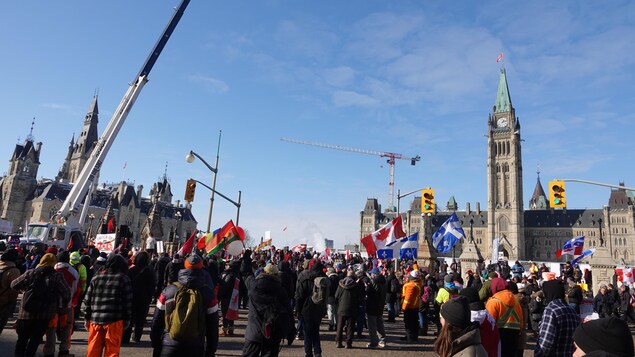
502	224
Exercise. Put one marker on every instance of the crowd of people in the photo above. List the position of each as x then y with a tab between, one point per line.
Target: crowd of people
290	296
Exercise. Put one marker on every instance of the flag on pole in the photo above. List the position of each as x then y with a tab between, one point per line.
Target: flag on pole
410	247
189	245
232	311
584	254
500	57
125	163
348	254
446	237
573	247
385	235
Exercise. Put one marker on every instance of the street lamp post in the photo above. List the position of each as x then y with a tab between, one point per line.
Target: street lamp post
175	235
190	158
91	217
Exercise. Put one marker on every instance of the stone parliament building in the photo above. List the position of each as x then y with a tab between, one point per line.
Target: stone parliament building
24	198
533	234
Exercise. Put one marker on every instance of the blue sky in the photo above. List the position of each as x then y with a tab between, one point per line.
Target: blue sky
412	77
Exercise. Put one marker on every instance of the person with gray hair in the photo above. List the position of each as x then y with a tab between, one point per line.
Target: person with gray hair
574	295
375	302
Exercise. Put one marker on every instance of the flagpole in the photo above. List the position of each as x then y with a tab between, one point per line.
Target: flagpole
211	200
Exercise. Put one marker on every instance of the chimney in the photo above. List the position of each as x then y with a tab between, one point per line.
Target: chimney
139	190
478	208
467	208
178	203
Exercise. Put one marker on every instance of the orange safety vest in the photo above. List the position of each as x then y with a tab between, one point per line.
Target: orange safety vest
411	293
510	318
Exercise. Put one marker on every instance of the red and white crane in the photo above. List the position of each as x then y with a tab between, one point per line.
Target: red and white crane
390	155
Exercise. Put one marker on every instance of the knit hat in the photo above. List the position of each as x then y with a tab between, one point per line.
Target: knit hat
75	258
271	269
63	256
194	262
608	334
457	312
553	289
472	297
47	260
450	285
11	255
492	275
498	284
52	250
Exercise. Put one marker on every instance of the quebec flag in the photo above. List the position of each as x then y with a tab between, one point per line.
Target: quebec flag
400	248
446	237
409	249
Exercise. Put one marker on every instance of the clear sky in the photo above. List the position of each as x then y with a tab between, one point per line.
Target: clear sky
411	77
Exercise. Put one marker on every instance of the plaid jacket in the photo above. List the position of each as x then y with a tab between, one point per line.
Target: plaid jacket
558	324
109	299
57	285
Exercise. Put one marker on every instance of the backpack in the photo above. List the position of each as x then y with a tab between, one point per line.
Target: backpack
186	323
394	286
321	289
37	297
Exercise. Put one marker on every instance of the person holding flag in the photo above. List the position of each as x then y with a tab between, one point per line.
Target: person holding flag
448	235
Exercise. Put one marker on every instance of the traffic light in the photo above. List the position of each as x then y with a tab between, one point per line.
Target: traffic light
557	195
427	201
190	188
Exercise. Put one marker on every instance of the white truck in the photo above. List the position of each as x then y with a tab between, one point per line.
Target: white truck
65	230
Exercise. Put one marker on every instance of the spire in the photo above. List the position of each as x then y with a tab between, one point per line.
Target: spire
452	205
503	100
539	198
93	109
88	136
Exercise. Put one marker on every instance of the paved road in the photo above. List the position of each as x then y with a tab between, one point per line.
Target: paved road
232	346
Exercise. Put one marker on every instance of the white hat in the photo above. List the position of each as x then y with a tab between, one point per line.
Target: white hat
414	274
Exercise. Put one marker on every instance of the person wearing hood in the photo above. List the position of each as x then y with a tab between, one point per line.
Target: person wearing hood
63	321
459	336
490	337
606	337
8	296
348	294
375	302
227	280
267	298
192	277
507	312
536	308
559	321
311	313
108	307
331	304
31	325
143	286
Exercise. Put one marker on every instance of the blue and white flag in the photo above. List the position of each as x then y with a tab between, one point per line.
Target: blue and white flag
392	249
585	254
446	237
409	249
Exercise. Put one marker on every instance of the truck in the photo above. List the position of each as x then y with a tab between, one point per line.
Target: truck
65	228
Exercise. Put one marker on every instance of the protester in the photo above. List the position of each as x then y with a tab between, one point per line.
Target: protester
603	302
411	293
227	281
558	324
508	314
609	337
375	303
490	337
392	294
331	304
143	286
108	308
574	295
459	336
348	294
184	313
46	289
8	296
486	291
76	262
311	312
626	304
536	309
269	318
62	323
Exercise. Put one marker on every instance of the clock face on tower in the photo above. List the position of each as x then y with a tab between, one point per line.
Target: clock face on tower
502	122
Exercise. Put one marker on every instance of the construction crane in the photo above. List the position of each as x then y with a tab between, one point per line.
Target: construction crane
390	155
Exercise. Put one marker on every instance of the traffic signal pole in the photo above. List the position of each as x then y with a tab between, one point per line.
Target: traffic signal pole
598	184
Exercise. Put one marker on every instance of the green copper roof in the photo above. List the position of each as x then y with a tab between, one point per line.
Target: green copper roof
503	101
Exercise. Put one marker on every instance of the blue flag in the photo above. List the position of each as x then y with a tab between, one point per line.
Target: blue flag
409	248
446	237
392	249
585	254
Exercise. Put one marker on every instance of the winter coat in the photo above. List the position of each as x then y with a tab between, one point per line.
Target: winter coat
159	273
194	279
335	280
625	304
469	343
227	279
9	272
264	291
574	295
286	279
603	304
536	305
376	296
486	290
348	295
518	270
143	285
393	287
303	304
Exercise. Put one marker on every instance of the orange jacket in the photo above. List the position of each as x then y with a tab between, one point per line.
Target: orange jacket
506	310
411	293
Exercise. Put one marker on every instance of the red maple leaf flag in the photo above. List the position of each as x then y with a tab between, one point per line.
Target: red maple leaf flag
385	235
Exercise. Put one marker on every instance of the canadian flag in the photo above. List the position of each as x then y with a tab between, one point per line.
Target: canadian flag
500	57
625	275
385	235
348	254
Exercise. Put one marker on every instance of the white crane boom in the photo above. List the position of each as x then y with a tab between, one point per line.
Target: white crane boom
390	155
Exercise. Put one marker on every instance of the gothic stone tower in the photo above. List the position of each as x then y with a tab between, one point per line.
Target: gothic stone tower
504	176
85	144
20	182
